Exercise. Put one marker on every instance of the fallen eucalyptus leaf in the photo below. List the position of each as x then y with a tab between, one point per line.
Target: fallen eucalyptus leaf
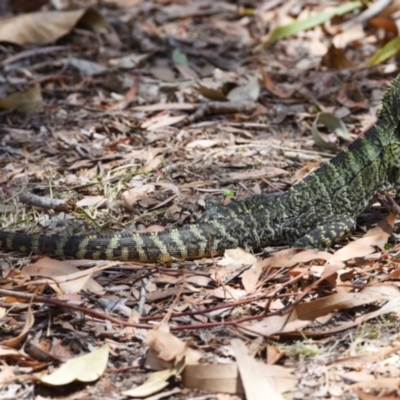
86	368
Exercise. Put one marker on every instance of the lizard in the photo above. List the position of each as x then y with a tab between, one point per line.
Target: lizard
316	212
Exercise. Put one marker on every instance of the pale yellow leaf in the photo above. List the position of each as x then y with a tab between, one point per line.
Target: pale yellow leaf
86	368
156	382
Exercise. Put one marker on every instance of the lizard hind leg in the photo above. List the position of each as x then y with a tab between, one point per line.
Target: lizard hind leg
328	232
213	210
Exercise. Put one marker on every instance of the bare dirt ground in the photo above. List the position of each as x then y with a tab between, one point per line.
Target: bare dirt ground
122	117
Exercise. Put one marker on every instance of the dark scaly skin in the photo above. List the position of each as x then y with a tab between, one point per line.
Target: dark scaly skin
314	213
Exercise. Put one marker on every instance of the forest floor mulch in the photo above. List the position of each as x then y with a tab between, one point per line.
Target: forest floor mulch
133	113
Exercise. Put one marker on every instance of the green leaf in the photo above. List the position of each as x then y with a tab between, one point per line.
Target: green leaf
311	22
179	57
387	51
228	193
28	102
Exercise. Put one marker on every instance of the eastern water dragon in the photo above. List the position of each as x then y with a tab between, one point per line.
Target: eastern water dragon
315	213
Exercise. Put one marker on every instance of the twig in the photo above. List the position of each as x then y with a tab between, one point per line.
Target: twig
46	202
63	304
142	296
220	107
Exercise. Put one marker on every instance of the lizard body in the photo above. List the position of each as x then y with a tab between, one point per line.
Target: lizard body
316	212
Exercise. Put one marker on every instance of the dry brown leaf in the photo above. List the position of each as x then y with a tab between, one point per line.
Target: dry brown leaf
166	350
381	383
267	172
289	257
392	306
6	374
357	376
162	121
212	90
153	164
227	293
47	26
370	396
255	384
132	196
86	67
250	91
237	257
305	313
223	378
132	60
250	278
165	107
64	276
359	360
385	23
308	167
89	201
29	321
376	237
206	143
271	87
343	39
351	97
259	378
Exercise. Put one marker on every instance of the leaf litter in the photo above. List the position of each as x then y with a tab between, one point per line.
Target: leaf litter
132	112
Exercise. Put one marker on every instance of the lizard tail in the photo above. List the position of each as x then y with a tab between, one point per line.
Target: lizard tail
186	243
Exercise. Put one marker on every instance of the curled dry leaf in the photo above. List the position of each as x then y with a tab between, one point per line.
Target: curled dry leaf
156	382
271	87
166	350
29	320
305	314
132	196
45	27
